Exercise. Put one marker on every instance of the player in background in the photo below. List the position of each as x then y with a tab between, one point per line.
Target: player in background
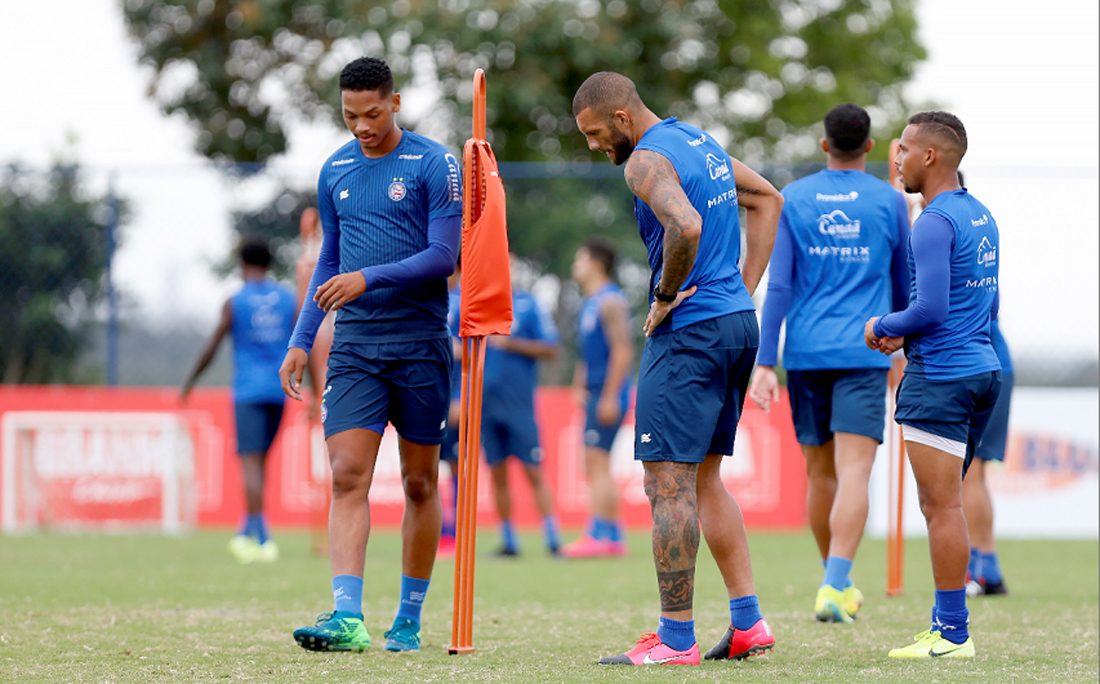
508	427
260	318
601	383
701	343
390	203
983	574
953	377
448	451
841	250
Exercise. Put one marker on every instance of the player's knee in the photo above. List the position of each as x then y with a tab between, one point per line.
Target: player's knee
419	486
347	474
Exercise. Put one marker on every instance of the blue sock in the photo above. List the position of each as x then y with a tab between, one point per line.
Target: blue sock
679	635
991	568
950	615
836	572
614	531
975	565
745	612
550	528
413	592
596	528
245	530
347	593
508	535
259	527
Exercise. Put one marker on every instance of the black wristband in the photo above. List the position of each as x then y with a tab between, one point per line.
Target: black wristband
662	297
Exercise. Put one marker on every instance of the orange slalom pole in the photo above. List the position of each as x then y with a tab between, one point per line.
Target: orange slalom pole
895	531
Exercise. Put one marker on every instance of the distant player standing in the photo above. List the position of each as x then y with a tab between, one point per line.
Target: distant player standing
260	318
953	377
602	380
390	204
841	250
702	341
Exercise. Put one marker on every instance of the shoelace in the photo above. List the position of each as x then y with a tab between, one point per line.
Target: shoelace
645	639
322	618
404	631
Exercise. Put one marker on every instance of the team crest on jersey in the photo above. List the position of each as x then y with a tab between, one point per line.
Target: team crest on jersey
397	190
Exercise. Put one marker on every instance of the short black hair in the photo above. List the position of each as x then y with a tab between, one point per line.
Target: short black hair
960	175
602	251
605	92
944	126
847	129
367	73
255	251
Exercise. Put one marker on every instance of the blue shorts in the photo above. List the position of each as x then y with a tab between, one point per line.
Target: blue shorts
691	389
824	402
404	383
958	409
257	423
510	433
597	435
995	437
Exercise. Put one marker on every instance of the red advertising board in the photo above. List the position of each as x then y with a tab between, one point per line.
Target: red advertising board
136	457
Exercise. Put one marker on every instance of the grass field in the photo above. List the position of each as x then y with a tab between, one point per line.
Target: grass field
153	609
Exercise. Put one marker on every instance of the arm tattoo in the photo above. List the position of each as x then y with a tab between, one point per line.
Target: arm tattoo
672	497
746	190
651	177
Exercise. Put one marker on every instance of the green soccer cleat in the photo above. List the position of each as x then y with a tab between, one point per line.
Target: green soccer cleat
853	600
268	552
829	606
243	548
337	631
403	636
931	644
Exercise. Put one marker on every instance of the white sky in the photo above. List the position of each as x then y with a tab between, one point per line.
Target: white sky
1024	81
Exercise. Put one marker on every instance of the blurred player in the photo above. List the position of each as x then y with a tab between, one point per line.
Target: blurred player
448	451
984	571
953	377
841	250
602	382
695	367
260	318
390	204
508	427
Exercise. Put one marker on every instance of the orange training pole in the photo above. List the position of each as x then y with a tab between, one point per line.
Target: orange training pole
469	436
895	532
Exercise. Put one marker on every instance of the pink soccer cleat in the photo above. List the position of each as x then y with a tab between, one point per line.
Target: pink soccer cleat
586	547
650	650
738	645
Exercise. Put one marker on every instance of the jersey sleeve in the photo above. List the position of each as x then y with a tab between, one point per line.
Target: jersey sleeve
933	239
778	301
899	264
443	180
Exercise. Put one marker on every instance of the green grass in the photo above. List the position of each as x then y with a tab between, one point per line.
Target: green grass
153	609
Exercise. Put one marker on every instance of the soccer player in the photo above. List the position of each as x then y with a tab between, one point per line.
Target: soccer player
390	203
953	377
260	318
841	251
701	343
508	427
602	383
983	574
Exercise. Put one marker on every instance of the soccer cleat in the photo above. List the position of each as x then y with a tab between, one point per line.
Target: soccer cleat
507	552
974	588
336	631
853	600
268	552
650	650
616	549
586	547
829	606
403	636
931	644
446	548
243	548
739	644
992	588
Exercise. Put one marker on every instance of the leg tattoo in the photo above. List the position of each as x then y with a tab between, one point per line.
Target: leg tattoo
672	498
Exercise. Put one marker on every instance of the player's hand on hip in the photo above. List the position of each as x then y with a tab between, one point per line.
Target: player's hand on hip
290	374
764	390
339	290
659	310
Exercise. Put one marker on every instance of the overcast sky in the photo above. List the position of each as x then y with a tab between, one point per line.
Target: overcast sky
1024	81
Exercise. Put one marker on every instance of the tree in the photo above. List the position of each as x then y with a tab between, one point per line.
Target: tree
53	258
759	74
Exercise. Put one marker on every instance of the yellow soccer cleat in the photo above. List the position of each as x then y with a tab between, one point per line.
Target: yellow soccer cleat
268	552
931	644
853	600
243	548
829	606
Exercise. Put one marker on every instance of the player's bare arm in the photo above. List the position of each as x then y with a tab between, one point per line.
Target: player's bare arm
652	179
764	390
613	317
535	349
763	204
290	373
225	323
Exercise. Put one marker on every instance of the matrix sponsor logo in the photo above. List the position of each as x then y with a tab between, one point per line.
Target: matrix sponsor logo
842	197
837	224
987	252
856	254
727	196
989	283
698	141
454	182
718	168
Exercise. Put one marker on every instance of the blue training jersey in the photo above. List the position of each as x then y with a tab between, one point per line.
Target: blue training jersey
961	346
706	174
454	312
595	351
1001	347
263	318
511	378
841	248
378	210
